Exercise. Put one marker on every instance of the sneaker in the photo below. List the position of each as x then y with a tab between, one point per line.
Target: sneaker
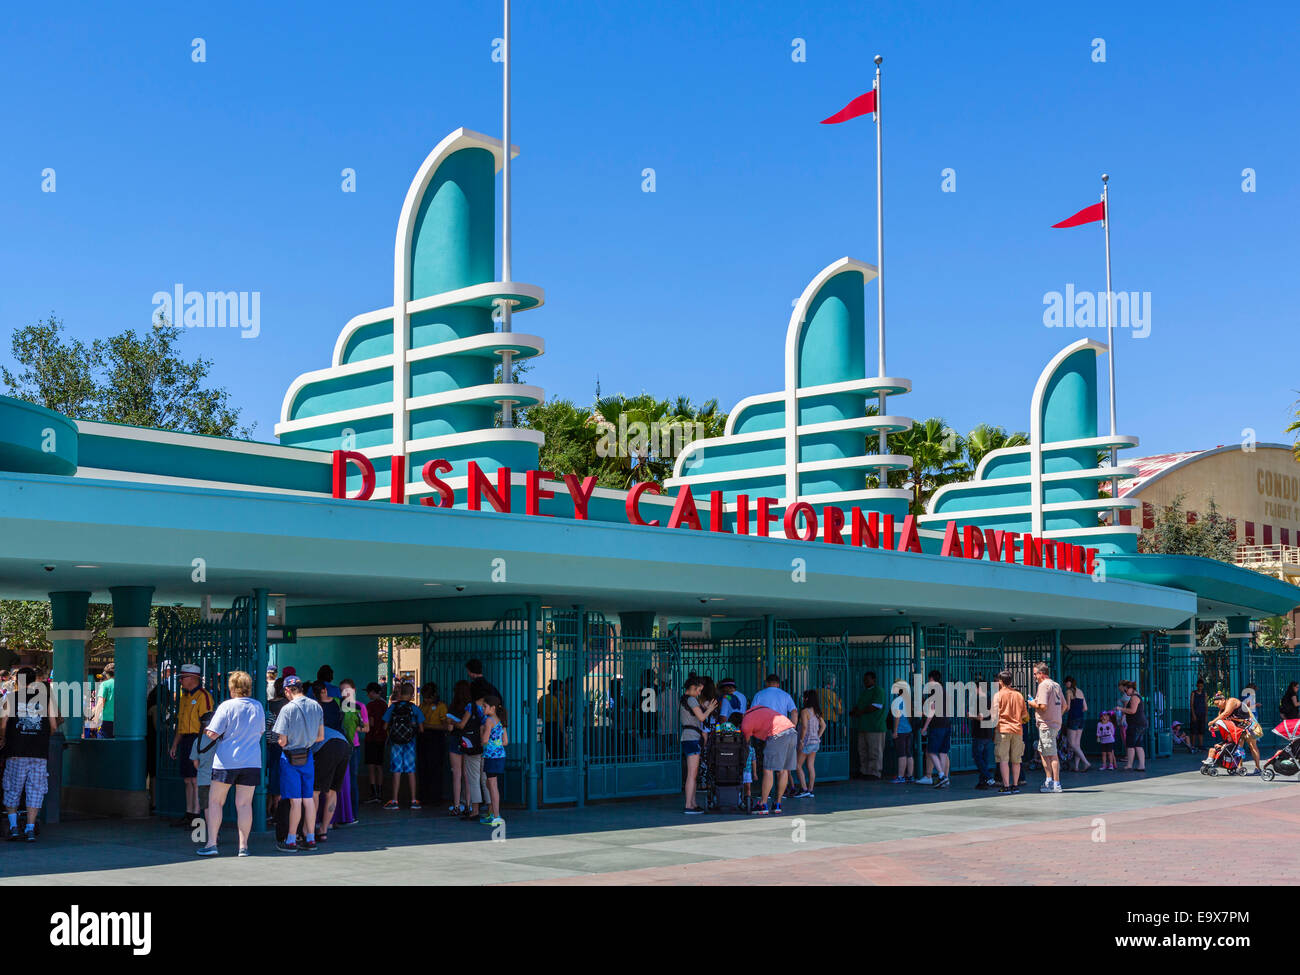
943	783
911	779
375	798
203	851
1015	790
898	780
485	819
454	810
284	846
1046	786
497	821
15	833
391	804
29	836
807	795
991	781
759	810
1003	790
776	810
415	804
244	852
308	847
925	781
1056	787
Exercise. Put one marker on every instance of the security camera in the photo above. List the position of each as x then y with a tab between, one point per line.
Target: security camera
48	568
460	588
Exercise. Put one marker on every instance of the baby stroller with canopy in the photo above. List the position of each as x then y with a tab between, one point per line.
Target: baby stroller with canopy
1286	761
1228	753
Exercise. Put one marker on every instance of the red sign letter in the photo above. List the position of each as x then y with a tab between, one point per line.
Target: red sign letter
581	494
634	496
866	531
911	542
341	460
742	514
479	486
833	525
717	513
792	521
951	541
684	510
765	515
534	494
446	496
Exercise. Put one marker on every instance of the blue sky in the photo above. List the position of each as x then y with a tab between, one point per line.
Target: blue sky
225	175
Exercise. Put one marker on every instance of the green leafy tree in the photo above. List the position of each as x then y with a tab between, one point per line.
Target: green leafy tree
142	380
1209	535
1275	633
571	438
56	372
936	450
985	439
1294	427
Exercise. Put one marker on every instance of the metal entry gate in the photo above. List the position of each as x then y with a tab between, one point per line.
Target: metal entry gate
502	647
967	666
1098	672
819	665
218	647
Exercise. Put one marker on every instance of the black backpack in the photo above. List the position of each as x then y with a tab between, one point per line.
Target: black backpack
470	737
401	730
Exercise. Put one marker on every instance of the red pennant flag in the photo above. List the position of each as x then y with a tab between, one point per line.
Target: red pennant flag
1087	215
862	105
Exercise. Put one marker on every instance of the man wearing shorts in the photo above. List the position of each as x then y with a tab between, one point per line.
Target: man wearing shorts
192	704
937	732
779	737
300	725
330	756
25	741
1008	743
1048	706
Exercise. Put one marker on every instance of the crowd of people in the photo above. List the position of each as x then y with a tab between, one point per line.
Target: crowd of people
324	747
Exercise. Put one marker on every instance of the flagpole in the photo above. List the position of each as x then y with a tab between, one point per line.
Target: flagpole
1110	344
882	438
507	406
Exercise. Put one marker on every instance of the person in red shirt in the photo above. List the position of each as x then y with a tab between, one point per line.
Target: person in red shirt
779	737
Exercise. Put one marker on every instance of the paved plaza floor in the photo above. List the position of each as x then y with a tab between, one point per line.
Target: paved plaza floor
1169	826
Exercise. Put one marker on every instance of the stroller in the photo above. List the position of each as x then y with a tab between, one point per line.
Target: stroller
1287	759
725	759
1228	753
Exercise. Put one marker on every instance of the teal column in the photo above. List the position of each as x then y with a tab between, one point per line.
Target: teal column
1239	640
532	767
579	706
130	633
261	656
68	637
1184	667
1057	674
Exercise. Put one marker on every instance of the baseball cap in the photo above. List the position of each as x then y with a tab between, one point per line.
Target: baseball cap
293	680
727	682
191	669
271	669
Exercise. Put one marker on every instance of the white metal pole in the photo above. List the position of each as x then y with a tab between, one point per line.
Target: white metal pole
1110	344
507	358
882	437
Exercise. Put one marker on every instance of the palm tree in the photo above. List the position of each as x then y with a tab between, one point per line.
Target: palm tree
986	438
936	451
1295	428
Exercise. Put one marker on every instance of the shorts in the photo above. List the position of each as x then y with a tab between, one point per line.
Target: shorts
331	765
453	744
494	767
188	771
779	752
1047	742
1074	724
1009	746
690	748
238	776
1197	725
811	747
1133	736
939	741
30	775
374	752
903	745
747	777
474	779
297	781
401	758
